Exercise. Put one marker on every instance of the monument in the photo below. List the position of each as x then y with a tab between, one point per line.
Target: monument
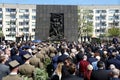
56	22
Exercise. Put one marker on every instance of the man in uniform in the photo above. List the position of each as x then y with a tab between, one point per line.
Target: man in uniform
27	69
14	70
35	61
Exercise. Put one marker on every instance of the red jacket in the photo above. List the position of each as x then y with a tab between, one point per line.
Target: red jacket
83	65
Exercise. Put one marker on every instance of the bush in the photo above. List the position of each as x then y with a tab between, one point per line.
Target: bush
40	74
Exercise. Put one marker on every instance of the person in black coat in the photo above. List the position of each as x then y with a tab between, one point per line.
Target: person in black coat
114	61
101	73
17	57
72	71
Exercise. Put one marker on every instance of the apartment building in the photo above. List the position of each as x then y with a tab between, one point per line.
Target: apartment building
18	20
102	17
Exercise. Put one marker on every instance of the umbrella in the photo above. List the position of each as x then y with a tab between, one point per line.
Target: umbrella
36	41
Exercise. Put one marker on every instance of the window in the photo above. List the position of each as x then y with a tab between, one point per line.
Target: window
116	11
97	18
90	11
90	17
26	10
0	9
7	22
0	22
103	11
100	11
8	29
116	23
21	16
10	10
12	22
33	10
97	30
26	23
110	18
26	16
103	23
20	29
0	15
33	17
23	10
103	17
97	11
97	24
26	29
33	29
13	16
21	23
116	17
10	35
13	29
33	23
7	16
112	11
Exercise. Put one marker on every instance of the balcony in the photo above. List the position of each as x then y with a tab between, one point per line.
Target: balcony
13	12
13	19
12	26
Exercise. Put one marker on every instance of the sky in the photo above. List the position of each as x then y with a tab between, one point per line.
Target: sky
64	2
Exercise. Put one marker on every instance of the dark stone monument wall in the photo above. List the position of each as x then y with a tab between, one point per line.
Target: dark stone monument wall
43	15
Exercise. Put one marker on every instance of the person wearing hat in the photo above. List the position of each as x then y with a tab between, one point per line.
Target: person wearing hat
35	61
25	50
14	70
17	57
41	55
26	69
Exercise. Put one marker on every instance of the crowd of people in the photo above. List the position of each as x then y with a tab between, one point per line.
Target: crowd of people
62	60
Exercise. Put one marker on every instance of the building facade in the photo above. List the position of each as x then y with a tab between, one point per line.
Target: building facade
102	17
18	20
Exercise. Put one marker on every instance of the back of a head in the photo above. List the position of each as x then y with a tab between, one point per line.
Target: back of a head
55	77
72	68
115	72
100	64
98	58
2	58
84	57
112	66
90	67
